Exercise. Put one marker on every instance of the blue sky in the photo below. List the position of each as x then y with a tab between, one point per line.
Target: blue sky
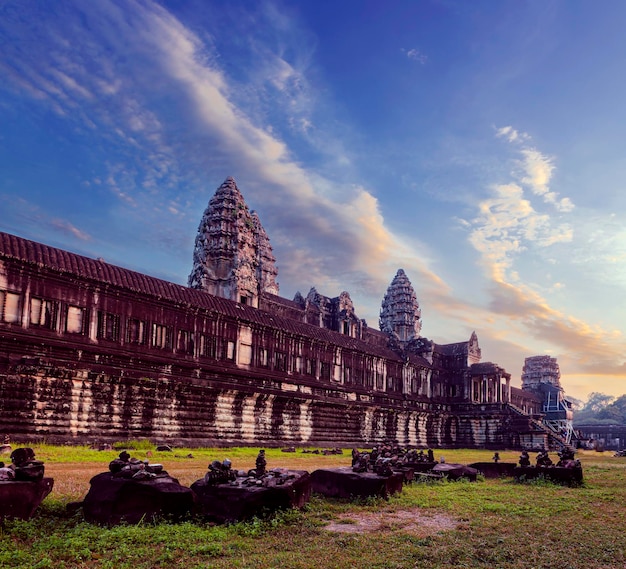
477	145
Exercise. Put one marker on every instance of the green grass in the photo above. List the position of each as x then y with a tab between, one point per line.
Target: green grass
500	524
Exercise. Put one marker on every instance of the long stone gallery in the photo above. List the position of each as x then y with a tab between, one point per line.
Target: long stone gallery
91	352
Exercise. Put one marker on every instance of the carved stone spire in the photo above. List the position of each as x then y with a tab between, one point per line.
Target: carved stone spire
400	313
232	257
266	270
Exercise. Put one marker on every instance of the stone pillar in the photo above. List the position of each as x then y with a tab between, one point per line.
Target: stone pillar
499	388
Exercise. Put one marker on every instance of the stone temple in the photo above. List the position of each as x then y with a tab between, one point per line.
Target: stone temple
90	351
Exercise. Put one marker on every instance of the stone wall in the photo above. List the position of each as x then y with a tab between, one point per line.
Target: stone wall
40	400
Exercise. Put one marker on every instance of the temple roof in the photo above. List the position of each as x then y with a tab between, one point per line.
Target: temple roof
95	271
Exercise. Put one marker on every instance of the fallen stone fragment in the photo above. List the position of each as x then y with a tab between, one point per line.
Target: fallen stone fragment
112	499
247	497
343	482
20	499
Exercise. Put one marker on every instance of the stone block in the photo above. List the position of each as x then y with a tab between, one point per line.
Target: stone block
342	482
112	499
19	499
236	501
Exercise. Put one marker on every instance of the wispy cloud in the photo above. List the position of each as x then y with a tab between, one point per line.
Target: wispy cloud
67	227
338	227
537	168
508	223
511	134
415	54
21	213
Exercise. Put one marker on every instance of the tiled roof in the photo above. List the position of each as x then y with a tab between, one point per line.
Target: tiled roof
452	349
80	267
517	392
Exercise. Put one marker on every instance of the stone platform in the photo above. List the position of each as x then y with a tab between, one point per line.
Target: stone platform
342	482
456	471
20	499
244	499
113	499
557	474
495	469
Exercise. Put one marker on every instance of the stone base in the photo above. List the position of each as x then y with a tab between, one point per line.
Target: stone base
112	500
495	469
553	473
342	482
456	471
224	503
20	499
420	466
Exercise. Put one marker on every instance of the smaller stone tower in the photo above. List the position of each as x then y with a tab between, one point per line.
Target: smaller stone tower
400	315
233	257
541	375
541	370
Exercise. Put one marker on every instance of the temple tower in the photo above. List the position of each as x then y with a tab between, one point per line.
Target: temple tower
541	375
400	316
266	267
232	257
541	370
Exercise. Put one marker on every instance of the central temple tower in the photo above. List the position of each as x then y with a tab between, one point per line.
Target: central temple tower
233	257
400	315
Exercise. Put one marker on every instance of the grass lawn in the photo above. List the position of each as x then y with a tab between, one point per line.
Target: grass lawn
487	524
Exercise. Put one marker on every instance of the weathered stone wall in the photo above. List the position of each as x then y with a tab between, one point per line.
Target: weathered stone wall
60	404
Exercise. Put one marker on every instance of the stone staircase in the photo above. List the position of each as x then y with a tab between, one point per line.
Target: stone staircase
555	440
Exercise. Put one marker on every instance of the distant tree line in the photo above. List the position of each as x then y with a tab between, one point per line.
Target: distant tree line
601	409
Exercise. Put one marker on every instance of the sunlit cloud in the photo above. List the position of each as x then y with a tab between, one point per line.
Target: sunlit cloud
506	225
593	348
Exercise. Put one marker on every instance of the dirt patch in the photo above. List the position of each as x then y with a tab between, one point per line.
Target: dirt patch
416	522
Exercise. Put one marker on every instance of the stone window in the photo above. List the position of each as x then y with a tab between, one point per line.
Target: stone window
208	346
161	336
9	307
185	344
280	361
325	370
108	326
415	383
75	322
476	391
380	381
357	377
136	331
245	354
347	374
230	350
43	313
262	357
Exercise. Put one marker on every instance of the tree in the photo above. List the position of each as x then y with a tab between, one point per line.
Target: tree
596	409
597	401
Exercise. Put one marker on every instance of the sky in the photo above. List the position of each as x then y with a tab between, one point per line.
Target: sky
477	145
